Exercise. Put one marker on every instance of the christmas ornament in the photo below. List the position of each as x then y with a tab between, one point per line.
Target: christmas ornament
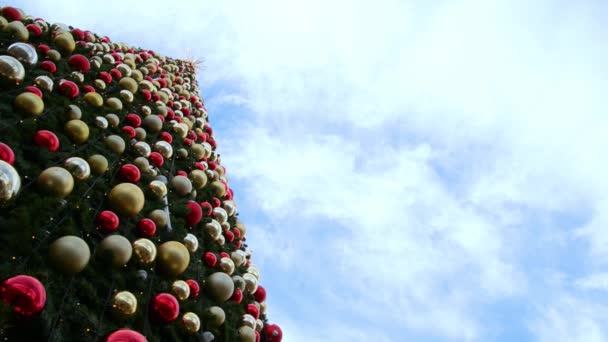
145	251
94	99
10	182
56	181
156	159
199	179
79	63
181	289
129	84
215	316
98	164
68	88
143	149
158	189
78	167
153	123
253	310
194	288
107	221
25	294
251	282
101	122
237	296
220	286
214	229
220	215
69	254
24	52
113	119
191	242
29	104
77	131
11	69
146	227
260	294
73	112
7	154
115	143
65	42
248	320
124	303
165	307
237	258
127	199
191	322
227	265
195	213
181	185
273	333
246	334
210	259
173	258
129	173
259	325
47	139
125	335
164	148
159	217
11	14
115	250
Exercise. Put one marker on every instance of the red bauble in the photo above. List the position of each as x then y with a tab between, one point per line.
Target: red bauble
200	166
129	131
155	97
181	173
34	29
210	259
130	173
257	336
116	73
236	232
225	255
146	94
48	66
108	221
146	227
78	34
6	153
215	202
133	120
170	113
156	159
253	311
44	49
260	294
207	209
80	63
237	244
47	139
68	88
11	14
105	77
195	289
166	136
237	296
34	90
187	142
88	89
125	335
25	294
165	307
229	236
212	165
212	142
273	333
195	213
208	129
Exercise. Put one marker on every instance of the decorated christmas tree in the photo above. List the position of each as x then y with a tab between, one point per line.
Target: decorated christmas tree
117	222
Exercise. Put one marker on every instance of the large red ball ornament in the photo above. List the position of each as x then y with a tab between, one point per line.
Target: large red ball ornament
210	259
146	227
260	294
125	335
130	173
7	154
11	14
69	89
194	288
129	131
48	66
165	307
156	159
25	294
108	221
47	139
166	136
253	311
237	296
273	333
79	63
195	213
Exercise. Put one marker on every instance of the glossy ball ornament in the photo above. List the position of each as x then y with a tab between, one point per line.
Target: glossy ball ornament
164	148
114	103
273	333
215	316
129	173
124	303
145	251
194	214
125	335
210	259
142	148
227	265
156	159
24	52
101	122
25	294
65	42
237	296
98	164
220	286
182	185
129	84
181	289
248	320
253	310
56	181
73	112
194	288
29	104
173	258
199	179
246	334
93	98
107	221
251	282
7	154
214	229
69	254
78	167
158	189
146	227
11	69
220	214
191	242
153	123
159	217
10	182
79	63
77	131
191	322
165	307
115	143
115	250
126	199
260	294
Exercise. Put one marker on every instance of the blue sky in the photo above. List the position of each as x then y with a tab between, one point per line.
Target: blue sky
408	171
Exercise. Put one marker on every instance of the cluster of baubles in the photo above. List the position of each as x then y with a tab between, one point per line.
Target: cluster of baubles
137	105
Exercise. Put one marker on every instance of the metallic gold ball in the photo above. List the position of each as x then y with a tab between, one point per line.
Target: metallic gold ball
263	308
124	69
220	286
17	31
182	185
113	119
158	189
10	182
259	325
198	151
53	55
227	265
239	282
199	179
77	131
78	167
230	207
251	282
214	229
127	199
142	163
140	133
220	215
11	69
164	148
246	334
114	250
101	122
191	321
248	320
100	84
56	181
238	258
69	254
191	242
29	104
114	103
73	112
142	148
253	269
26	53
115	143
159	217
241	227
152	123
65	42
126	96
181	129
182	153
173	258
124	303
219	188
215	316
146	111
98	164
145	251
129	84
93	98
181	289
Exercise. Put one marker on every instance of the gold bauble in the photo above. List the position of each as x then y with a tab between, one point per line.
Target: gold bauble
143	149
159	217
98	164
93	98
145	251
115	143
191	321
113	120
124	69
10	182
100	84
115	250
182	153
140	133
251	282
182	185
152	123
73	112
127	96
219	189
101	122
158	189
198	151
173	258
191	242
237	258
77	131
181	129
65	42
220	215
78	167
214	229
124	303
142	163
215	316
11	69
146	111
56	181
239	282
246	334
253	269
241	227
45	83
53	55
164	148
259	325
26	53
17	31
137	75
248	321
3	22
227	265
181	289
129	84
29	104
114	103
126	199
69	254
263	308
220	286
